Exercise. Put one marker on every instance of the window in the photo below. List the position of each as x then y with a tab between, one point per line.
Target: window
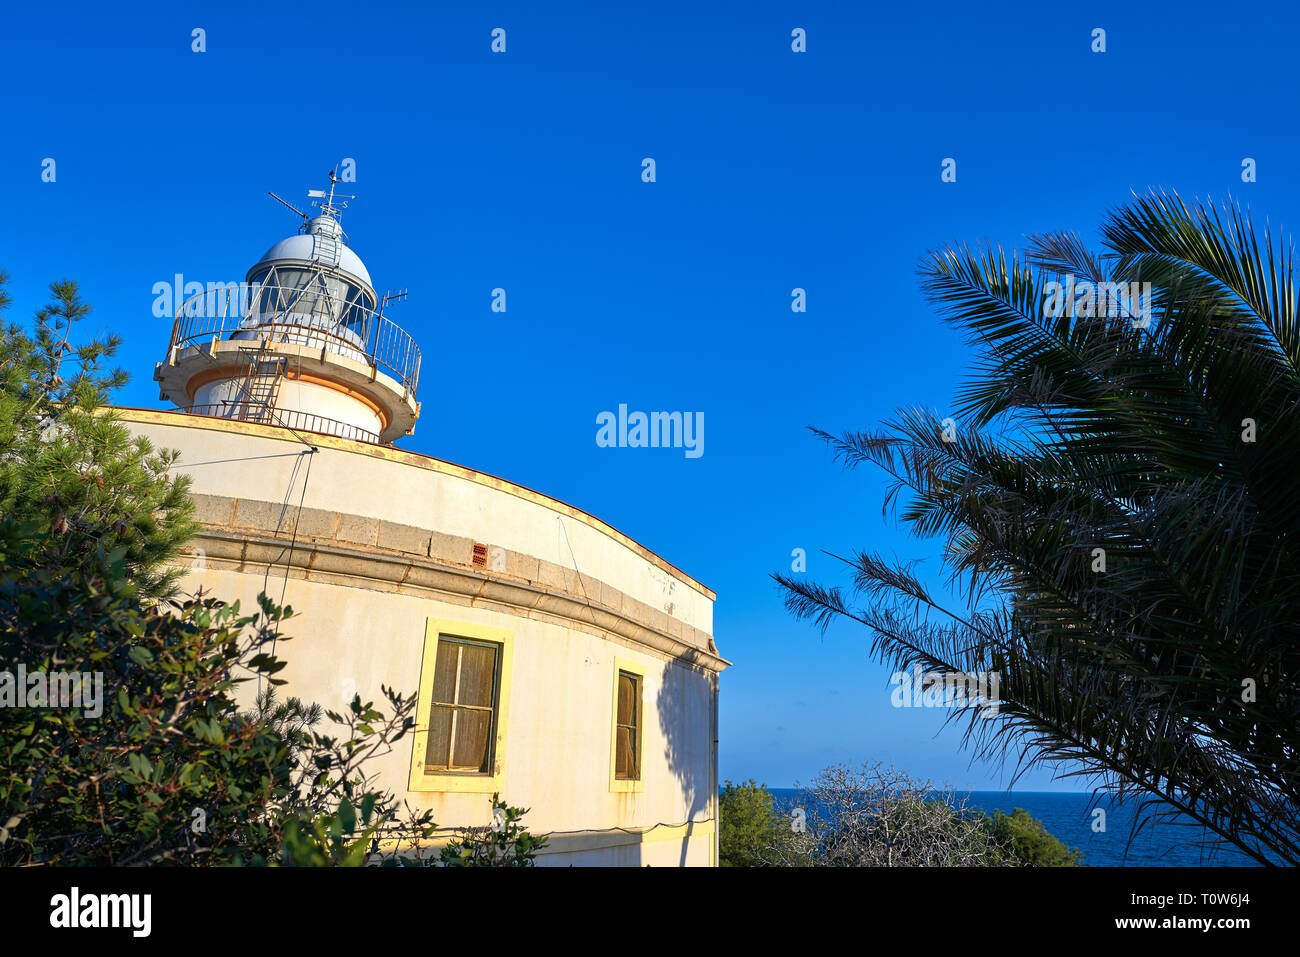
625	760
305	296
627	721
462	715
459	740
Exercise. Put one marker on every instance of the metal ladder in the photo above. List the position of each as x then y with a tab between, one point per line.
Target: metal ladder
261	384
327	248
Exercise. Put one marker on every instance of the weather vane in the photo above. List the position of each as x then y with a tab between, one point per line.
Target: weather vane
328	208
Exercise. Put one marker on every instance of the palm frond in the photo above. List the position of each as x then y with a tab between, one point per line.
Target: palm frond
1099	439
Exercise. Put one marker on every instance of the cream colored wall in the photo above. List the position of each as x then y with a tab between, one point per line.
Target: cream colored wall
295	395
256	467
557	742
560	719
692	851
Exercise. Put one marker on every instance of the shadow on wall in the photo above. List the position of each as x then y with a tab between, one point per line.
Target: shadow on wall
684	718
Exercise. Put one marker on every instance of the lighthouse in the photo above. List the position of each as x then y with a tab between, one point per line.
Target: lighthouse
304	345
551	659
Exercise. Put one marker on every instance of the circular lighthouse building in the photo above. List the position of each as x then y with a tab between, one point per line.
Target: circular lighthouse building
556	660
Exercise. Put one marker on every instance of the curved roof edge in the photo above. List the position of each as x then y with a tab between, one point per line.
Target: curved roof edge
300	250
418	460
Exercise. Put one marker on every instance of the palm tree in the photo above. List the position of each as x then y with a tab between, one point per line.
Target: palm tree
1116	497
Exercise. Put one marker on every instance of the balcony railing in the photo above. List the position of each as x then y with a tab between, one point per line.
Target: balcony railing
301	316
286	418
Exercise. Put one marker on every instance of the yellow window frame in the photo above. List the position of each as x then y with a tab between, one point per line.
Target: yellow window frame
627	785
460	781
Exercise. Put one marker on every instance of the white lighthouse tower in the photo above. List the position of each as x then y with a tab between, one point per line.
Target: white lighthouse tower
470	593
305	346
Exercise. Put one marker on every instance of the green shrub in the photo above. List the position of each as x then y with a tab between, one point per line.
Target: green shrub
503	843
1026	840
750	830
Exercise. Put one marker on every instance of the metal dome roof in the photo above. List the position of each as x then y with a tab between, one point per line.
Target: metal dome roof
321	245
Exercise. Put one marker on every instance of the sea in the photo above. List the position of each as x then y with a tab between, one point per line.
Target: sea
1068	817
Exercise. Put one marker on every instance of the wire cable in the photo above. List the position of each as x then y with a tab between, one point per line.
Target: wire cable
293	541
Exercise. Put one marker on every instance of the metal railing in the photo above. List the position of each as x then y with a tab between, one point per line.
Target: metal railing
304	317
285	418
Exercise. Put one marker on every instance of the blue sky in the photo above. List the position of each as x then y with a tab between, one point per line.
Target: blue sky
522	170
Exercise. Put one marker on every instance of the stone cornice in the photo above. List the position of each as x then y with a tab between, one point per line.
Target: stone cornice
414	459
367	553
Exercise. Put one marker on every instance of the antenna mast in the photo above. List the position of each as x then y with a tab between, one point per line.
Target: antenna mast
289	205
391	297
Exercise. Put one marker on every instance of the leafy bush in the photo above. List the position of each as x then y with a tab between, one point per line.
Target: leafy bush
750	830
69	469
503	843
156	763
1026	840
163	767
